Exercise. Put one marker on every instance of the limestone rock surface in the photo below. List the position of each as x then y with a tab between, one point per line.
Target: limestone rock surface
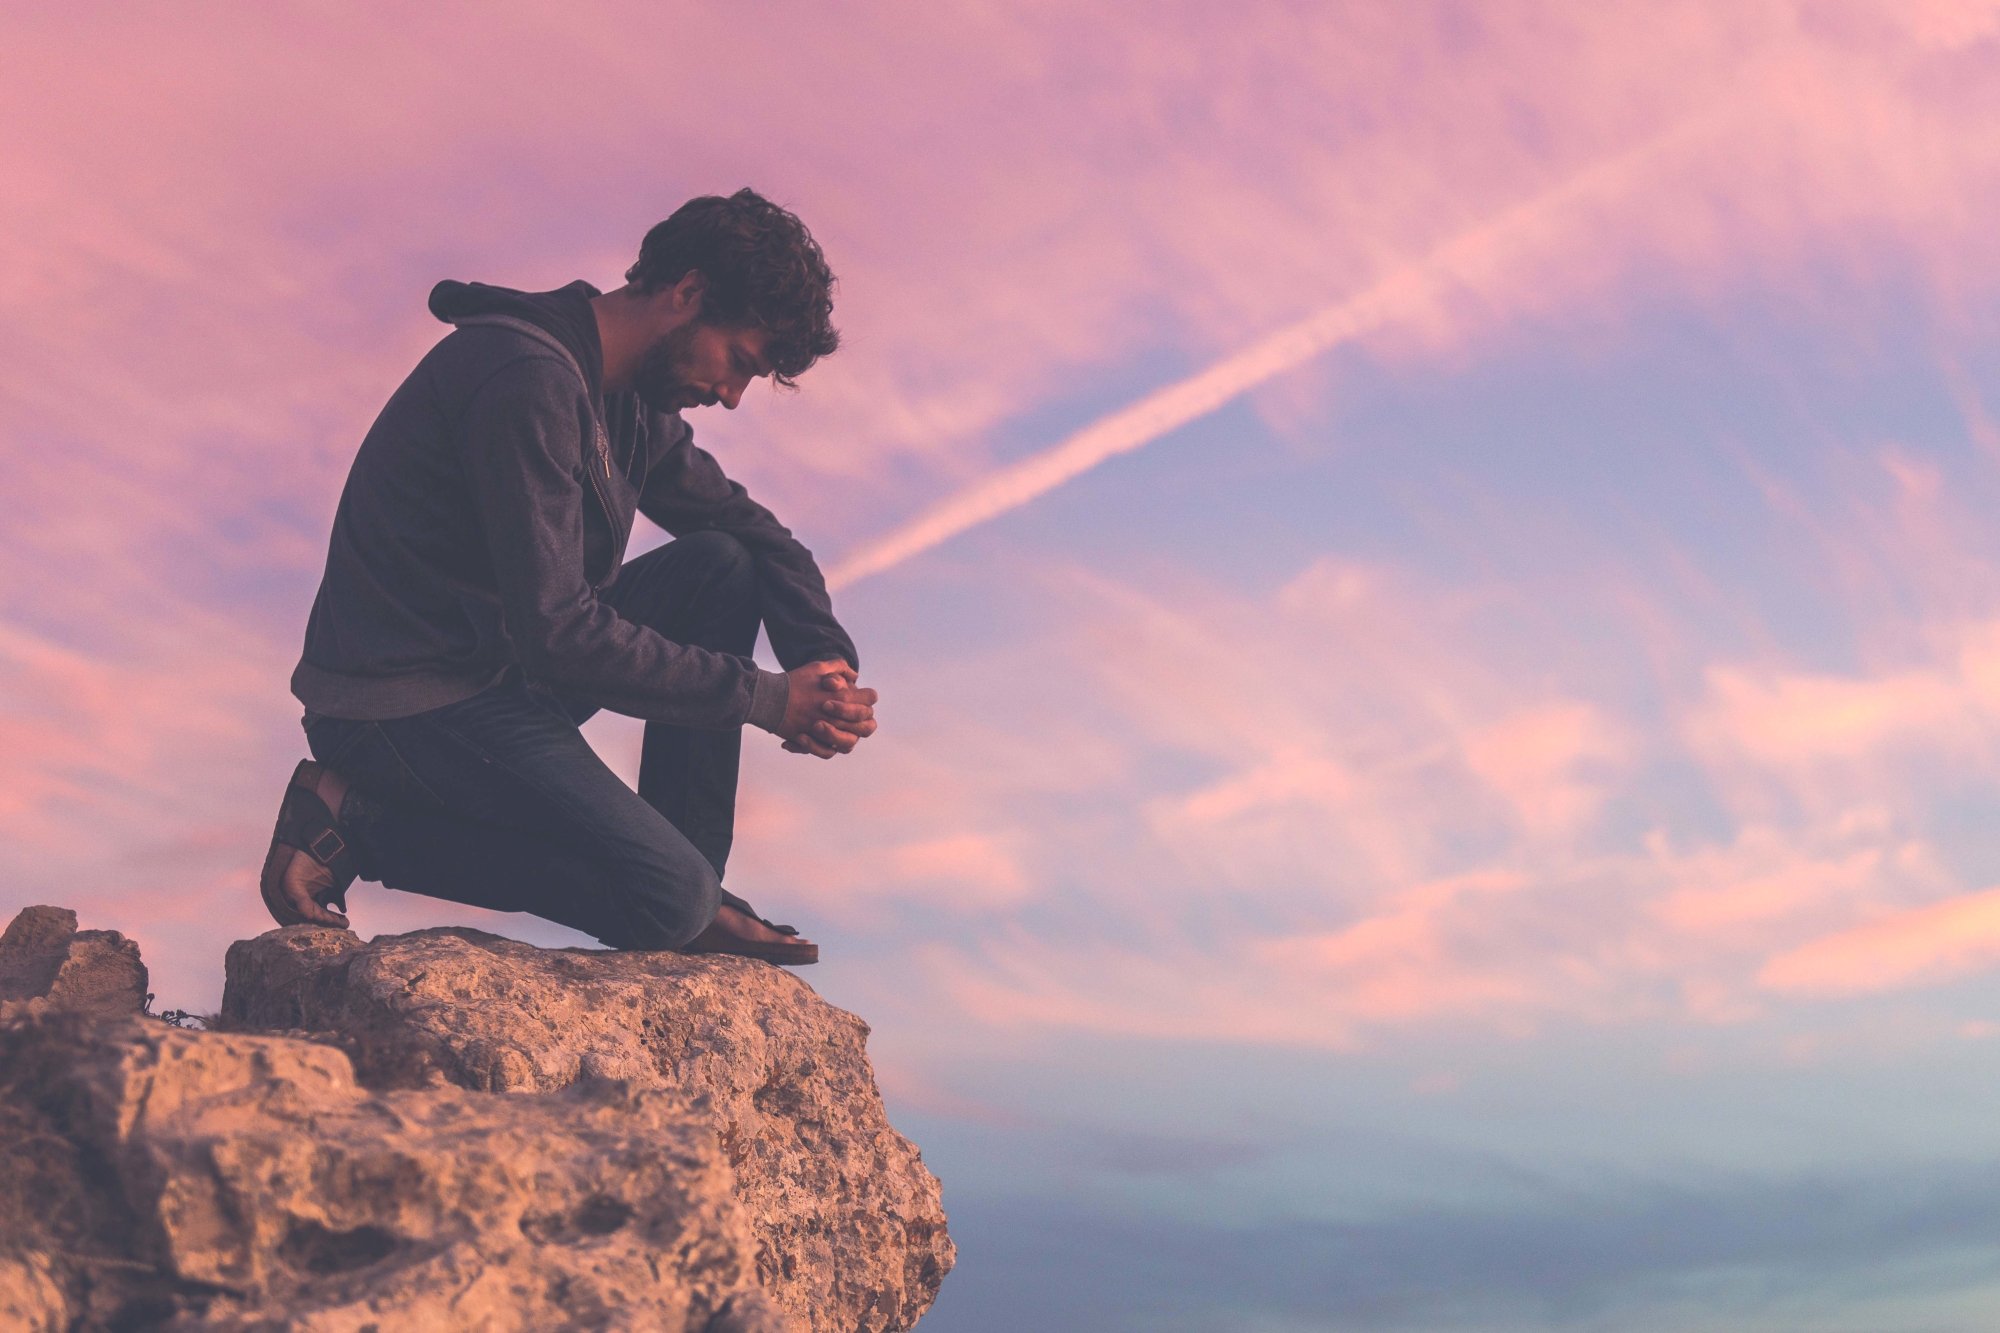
157	1178
31	1295
46	963
849	1226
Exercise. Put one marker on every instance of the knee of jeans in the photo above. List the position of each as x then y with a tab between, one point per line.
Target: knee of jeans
709	902
668	902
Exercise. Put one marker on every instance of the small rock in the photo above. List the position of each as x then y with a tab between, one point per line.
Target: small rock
46	963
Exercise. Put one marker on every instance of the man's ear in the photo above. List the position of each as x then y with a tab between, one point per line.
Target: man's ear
687	293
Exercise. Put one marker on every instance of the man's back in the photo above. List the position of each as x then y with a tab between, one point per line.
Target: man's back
408	613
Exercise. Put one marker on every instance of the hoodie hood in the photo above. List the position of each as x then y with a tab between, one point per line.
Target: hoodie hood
564	312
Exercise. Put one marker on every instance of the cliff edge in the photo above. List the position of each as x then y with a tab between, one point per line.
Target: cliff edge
450	1129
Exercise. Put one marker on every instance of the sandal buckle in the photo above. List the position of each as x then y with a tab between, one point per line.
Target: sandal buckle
318	846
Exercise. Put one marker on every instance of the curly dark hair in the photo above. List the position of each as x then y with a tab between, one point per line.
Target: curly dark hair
762	269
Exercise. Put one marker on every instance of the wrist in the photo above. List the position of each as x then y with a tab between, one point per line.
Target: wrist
768	701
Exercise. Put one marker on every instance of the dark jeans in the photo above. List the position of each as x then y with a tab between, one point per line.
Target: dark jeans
499	801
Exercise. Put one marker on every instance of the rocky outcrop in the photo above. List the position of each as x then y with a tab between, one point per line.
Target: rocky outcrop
447	1130
848	1225
160	1178
46	963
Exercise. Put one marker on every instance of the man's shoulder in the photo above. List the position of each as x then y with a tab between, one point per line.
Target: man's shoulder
488	356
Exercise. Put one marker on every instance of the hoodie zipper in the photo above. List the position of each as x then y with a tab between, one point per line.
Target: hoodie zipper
603	489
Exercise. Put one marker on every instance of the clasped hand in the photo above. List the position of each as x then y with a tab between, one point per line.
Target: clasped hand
826	713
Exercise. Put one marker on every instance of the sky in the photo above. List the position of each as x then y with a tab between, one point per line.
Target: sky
1430	570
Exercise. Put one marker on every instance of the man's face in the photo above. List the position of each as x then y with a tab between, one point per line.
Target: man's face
698	364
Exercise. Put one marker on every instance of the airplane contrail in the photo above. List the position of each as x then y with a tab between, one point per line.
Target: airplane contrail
1167	409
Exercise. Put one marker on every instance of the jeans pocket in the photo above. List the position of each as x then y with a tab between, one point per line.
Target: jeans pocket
370	760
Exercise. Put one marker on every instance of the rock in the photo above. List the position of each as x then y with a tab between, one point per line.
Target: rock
31	1298
47	963
849	1226
219	1180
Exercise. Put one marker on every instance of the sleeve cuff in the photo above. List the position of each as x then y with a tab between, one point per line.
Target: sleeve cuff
767	703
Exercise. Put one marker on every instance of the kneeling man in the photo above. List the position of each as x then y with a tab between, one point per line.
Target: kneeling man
477	607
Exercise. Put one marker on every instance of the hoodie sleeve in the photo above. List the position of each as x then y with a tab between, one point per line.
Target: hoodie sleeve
522	437
685	491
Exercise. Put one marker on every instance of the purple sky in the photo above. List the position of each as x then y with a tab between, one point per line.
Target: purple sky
1430	568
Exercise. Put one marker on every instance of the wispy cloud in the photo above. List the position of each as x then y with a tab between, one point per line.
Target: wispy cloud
1407	290
1924	945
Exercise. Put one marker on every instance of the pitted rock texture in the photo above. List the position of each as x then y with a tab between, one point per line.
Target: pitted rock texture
849	1225
31	1294
46	963
182	1180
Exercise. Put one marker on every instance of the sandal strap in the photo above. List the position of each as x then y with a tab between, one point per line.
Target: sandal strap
324	846
742	905
307	825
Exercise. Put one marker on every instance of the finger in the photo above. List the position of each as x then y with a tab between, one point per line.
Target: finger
851	699
841	711
828	734
804	744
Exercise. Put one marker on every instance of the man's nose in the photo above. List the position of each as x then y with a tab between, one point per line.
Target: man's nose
730	394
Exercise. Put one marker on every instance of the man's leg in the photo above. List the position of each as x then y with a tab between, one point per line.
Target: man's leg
499	802
700	590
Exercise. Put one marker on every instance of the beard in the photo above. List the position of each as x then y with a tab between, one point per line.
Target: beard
661	381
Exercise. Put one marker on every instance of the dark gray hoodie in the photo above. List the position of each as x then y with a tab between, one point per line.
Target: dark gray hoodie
491	502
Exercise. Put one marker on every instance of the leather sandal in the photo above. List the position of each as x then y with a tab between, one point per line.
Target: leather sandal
786	953
305	825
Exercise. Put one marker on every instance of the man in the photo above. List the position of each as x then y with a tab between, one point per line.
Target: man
475	610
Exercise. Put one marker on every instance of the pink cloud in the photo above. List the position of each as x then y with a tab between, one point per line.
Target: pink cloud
1537	760
1421	839
1325	991
1792	716
1720	894
1919	946
965	862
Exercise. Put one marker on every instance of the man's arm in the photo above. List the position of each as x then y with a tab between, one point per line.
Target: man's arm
523	448
686	491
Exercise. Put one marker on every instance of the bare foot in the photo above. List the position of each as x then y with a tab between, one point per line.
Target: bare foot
294	878
730	924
